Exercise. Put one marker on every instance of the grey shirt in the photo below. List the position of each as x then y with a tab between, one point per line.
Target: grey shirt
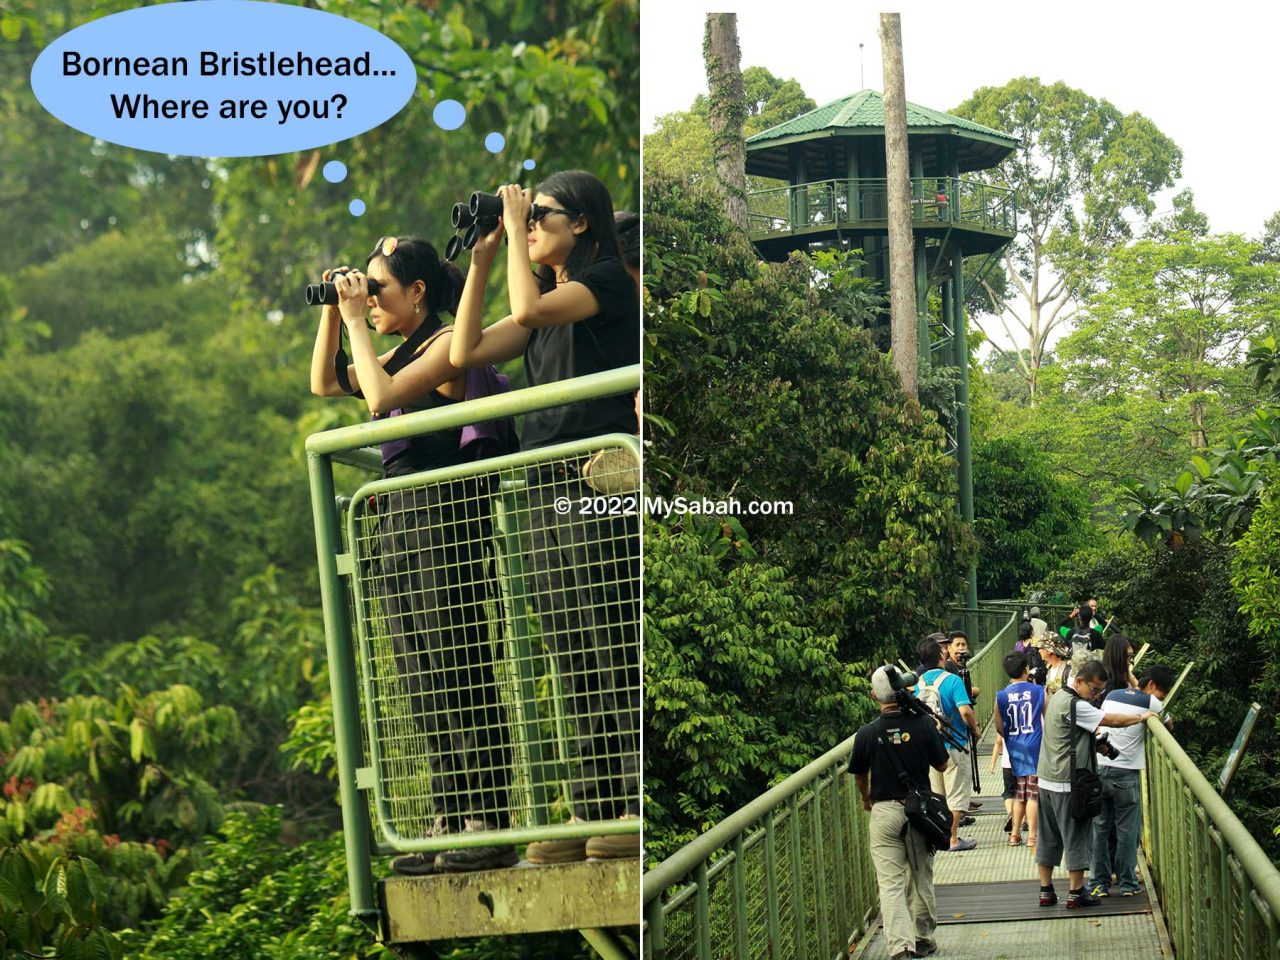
1054	769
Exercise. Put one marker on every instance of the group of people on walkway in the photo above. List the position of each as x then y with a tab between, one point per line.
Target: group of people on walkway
1049	722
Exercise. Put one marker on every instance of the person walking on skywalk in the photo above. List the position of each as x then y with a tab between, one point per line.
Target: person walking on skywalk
891	755
944	693
1068	746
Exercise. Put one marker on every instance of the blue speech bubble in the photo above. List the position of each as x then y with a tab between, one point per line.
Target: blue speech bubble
494	142
529	164
449	114
356	207
197	79
335	171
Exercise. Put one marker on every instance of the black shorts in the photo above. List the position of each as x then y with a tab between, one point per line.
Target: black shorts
1010	783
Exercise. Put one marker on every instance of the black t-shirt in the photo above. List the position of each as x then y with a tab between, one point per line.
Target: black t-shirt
916	744
609	339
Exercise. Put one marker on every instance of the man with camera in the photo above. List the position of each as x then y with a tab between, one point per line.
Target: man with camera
944	693
1066	757
1122	785
892	756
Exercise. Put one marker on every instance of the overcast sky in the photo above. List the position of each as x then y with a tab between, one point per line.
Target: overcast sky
1207	76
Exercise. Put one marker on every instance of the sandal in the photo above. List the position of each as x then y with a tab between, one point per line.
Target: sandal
1031	842
1015	841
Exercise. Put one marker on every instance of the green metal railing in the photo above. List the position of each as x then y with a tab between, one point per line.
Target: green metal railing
1219	890
787	877
495	588
937	200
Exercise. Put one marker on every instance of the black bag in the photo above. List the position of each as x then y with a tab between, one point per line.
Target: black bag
1086	785
927	812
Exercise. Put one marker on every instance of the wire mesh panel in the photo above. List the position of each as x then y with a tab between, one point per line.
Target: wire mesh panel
497	608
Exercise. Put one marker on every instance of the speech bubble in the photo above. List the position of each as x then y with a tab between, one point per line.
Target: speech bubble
201	80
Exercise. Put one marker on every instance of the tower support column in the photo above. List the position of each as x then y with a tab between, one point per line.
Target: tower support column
964	450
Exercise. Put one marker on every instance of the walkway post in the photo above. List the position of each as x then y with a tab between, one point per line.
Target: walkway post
964	452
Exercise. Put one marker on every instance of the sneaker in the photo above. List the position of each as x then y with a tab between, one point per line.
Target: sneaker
1048	896
973	805
557	851
960	845
925	947
967	821
1078	898
415	865
420	864
1129	893
904	955
1100	890
466	859
615	846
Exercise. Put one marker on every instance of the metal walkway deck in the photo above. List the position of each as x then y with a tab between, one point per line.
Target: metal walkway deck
988	902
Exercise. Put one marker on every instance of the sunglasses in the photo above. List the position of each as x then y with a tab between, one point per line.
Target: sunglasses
538	213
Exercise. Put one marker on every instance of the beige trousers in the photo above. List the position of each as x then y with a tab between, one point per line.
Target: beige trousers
904	874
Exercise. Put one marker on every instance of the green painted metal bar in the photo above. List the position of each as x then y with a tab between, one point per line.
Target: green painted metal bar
739	897
703	909
621	380
342	688
655	930
770	888
606	944
799	914
1184	870
819	865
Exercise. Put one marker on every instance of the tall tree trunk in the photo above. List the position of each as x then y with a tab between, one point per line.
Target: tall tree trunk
902	291
728	111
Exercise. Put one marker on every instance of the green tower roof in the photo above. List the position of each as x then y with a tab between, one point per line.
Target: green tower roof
862	114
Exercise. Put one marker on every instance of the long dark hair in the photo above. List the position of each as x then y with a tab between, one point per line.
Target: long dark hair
1116	659
416	259
582	192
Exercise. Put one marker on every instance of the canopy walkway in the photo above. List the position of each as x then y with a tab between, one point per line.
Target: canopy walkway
790	874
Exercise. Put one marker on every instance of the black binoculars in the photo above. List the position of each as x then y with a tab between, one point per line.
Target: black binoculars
326	293
477	218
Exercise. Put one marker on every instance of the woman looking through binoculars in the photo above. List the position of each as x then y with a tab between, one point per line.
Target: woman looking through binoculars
431	540
578	315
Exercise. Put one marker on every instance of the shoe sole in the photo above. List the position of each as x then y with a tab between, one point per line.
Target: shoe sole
508	859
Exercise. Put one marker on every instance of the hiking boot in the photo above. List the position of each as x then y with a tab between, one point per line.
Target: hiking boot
557	851
1048	897
617	846
904	955
1078	898
466	859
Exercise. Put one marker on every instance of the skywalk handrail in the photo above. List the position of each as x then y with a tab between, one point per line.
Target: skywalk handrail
509	404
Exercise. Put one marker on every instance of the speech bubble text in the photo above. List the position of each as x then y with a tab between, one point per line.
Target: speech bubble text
189	79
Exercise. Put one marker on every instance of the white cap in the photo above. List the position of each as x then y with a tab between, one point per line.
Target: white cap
881	688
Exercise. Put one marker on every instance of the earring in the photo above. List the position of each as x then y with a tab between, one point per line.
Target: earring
417	307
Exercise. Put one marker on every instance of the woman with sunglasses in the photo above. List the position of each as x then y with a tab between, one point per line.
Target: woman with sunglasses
430	540
577	314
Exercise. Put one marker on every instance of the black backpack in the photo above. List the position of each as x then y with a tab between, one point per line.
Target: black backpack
1086	785
927	812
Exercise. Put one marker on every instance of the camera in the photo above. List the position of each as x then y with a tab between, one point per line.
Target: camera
476	218
1103	745
325	293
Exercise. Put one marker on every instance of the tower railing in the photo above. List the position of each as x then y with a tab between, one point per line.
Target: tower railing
934	200
435	603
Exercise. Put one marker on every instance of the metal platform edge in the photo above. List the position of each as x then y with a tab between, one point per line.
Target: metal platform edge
523	899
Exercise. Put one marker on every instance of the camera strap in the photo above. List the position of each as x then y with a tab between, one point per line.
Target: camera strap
398	360
894	759
1092	763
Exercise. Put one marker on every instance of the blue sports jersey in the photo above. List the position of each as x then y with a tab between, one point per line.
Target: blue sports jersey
1021	707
